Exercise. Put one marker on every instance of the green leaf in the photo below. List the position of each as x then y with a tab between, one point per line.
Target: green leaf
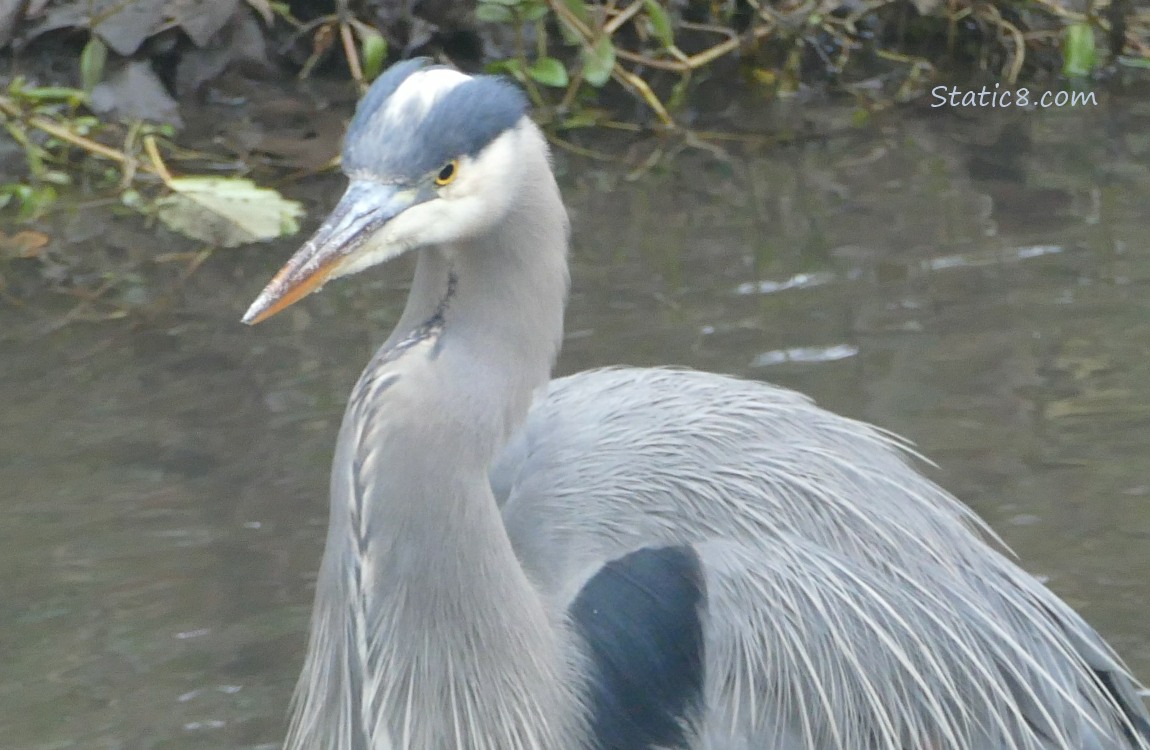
660	22
92	61
571	37
583	119
599	61
579	9
511	66
679	93
493	13
40	94
533	11
1078	55
549	72
372	51
283	10
507	3
56	177
32	200
501	66
36	202
1134	62
227	211
132	199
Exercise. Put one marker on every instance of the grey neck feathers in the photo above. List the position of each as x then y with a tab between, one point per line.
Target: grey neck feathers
426	632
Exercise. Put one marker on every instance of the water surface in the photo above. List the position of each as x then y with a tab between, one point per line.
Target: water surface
977	281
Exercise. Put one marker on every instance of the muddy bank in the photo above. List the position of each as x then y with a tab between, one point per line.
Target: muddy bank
137	59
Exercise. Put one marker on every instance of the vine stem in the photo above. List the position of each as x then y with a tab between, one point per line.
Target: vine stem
11	109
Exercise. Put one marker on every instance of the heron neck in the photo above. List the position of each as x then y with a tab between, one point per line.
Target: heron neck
426	631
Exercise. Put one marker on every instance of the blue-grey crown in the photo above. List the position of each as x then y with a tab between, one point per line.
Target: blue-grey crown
460	123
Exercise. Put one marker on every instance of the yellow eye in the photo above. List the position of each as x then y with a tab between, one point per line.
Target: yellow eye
447	174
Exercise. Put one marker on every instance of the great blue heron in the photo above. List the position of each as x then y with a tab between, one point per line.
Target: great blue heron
629	559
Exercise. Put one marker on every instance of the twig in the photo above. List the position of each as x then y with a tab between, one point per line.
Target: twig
699	59
157	163
629	127
560	9
992	14
623	17
579	150
627	77
352	55
57	131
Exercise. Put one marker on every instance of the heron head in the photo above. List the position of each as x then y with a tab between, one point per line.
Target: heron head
431	160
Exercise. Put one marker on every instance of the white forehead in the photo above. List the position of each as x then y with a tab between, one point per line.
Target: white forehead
414	97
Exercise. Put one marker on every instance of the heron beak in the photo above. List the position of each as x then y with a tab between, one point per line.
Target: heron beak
363	209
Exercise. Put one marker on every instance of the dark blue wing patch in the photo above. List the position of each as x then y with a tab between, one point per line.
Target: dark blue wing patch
1136	719
640	616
